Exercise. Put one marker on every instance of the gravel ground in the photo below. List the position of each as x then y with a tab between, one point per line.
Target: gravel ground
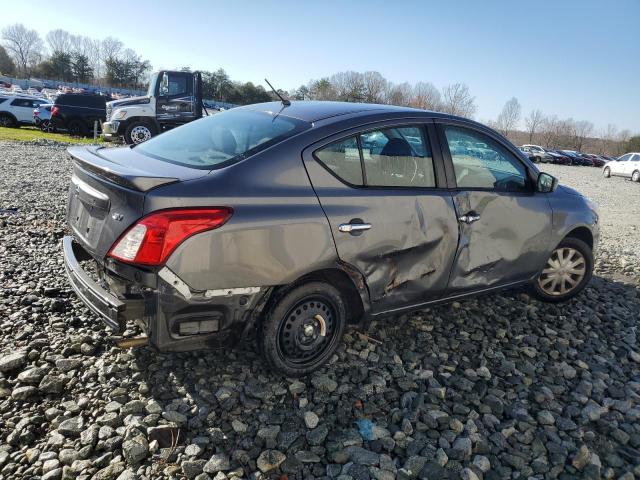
496	387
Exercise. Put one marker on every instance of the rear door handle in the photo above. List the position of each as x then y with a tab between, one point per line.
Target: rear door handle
469	218
354	227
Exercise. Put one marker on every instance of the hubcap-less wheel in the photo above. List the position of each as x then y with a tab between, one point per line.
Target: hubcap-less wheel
140	133
307	331
564	271
636	176
5	121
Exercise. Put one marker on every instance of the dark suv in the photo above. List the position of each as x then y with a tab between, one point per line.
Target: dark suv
76	113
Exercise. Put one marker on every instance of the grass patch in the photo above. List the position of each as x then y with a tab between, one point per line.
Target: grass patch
27	134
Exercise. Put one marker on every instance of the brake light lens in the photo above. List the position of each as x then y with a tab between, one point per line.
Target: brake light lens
54	111
152	239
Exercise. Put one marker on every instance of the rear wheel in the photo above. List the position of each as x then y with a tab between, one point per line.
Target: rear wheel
7	120
303	328
138	132
566	273
77	128
606	172
635	176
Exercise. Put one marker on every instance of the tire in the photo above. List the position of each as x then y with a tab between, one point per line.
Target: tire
606	172
7	120
47	127
635	176
578	253
291	338
77	128
139	132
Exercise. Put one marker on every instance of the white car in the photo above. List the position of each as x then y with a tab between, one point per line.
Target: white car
628	165
16	110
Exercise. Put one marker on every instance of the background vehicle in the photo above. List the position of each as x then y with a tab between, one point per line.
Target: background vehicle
16	110
576	159
537	152
628	165
559	158
174	98
595	160
76	113
42	117
297	220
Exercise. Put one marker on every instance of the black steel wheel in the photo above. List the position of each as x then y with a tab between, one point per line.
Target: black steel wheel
302	329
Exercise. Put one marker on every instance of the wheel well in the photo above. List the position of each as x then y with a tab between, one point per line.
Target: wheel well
10	115
337	278
146	120
582	233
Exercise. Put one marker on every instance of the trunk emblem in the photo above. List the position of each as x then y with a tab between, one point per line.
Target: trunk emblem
118	217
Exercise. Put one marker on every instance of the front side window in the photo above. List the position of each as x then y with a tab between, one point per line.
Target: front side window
624	158
392	157
222	139
397	157
489	166
177	84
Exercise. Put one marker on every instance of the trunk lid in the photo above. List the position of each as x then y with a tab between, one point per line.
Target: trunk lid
108	189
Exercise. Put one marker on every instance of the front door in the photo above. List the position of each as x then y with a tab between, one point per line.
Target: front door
177	106
505	226
618	167
390	221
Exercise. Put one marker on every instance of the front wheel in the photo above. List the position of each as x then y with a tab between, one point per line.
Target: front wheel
606	172
566	273
138	132
7	120
635	176
303	329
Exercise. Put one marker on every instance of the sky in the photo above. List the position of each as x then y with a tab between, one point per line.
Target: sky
578	59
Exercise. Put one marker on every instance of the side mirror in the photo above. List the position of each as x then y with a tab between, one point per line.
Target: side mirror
546	183
164	86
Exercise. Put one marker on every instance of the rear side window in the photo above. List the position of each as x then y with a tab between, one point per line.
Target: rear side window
2	100
343	159
392	157
223	139
22	102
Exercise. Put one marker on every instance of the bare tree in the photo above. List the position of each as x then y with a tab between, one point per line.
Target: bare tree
111	48
581	131
426	96
59	41
25	45
533	123
349	86
509	117
457	100
375	86
623	139
399	94
606	138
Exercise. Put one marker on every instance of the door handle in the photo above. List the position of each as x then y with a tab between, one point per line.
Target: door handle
354	227
469	218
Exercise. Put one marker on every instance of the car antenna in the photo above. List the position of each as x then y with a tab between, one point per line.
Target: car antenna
286	102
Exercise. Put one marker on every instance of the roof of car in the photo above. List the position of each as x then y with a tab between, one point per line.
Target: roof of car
313	111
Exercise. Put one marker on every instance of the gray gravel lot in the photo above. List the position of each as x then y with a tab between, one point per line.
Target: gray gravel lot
495	387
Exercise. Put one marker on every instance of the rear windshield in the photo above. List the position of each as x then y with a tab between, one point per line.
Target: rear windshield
223	139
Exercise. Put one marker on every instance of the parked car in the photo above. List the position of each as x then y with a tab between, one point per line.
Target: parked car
277	218
537	152
596	160
576	159
76	113
628	165
42	117
587	161
559	158
16	110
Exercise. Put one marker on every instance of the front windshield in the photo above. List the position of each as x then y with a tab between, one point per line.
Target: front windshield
217	141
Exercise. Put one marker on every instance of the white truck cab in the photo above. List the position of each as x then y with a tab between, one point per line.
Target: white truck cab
174	98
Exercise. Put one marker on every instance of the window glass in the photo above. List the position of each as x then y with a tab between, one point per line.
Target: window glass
397	157
22	102
2	100
177	84
343	159
636	158
479	162
222	139
624	158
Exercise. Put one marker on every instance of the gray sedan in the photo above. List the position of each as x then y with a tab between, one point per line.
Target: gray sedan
294	221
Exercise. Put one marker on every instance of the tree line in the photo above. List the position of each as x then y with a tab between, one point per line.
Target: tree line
66	57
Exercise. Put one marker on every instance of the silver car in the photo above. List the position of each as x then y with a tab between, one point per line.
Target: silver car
295	221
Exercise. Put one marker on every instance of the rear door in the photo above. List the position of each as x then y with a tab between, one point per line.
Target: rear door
505	227
619	167
379	188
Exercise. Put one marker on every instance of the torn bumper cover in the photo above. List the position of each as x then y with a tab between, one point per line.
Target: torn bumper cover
174	317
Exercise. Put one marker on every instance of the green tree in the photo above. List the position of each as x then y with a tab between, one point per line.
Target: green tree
82	71
57	66
7	67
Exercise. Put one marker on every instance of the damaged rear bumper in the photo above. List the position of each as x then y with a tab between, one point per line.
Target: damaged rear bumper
173	316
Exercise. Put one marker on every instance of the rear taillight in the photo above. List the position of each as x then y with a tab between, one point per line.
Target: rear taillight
153	238
54	111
